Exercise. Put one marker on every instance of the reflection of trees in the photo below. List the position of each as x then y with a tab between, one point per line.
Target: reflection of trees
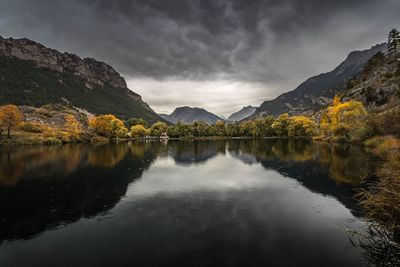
43	198
345	163
10	170
49	186
318	166
188	152
107	155
39	161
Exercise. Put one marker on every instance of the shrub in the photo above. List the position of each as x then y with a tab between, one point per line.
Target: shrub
388	75
139	131
370	94
32	127
383	145
99	140
385	124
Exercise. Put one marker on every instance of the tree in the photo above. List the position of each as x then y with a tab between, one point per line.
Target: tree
219	128
139	131
72	125
158	128
10	116
200	128
342	119
281	124
393	44
136	121
107	125
301	126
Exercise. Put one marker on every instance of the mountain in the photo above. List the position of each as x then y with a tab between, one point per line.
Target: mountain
190	115
242	114
378	85
319	90
34	75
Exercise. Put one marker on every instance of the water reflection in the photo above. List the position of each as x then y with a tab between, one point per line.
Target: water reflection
58	185
193	189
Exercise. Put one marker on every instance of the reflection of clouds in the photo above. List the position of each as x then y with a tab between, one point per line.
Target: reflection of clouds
265	195
215	175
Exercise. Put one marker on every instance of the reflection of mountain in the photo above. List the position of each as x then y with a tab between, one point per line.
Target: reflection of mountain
191	152
44	187
88	185
312	164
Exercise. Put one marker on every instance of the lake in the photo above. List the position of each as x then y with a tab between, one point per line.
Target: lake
182	203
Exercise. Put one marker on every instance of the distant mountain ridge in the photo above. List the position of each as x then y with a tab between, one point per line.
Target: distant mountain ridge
32	74
189	115
242	114
319	90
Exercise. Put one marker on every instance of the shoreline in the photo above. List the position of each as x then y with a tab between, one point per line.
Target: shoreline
102	140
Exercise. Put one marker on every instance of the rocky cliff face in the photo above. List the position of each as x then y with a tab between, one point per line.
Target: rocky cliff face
318	91
378	86
95	72
32	74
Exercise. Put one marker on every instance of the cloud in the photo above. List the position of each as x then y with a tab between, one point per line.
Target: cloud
220	97
278	42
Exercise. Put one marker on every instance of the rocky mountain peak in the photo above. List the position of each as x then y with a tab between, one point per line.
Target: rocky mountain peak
95	72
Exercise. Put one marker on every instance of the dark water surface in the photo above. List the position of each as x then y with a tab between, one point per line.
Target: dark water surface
193	203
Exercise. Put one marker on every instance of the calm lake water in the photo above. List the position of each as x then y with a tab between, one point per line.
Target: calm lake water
181	203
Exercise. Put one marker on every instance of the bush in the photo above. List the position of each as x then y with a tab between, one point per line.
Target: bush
388	75
32	127
370	94
385	124
99	140
383	145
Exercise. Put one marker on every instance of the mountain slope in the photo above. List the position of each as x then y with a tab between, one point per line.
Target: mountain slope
378	85
319	90
242	114
32	74
190	115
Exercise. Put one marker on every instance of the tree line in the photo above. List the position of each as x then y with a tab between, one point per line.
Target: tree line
341	121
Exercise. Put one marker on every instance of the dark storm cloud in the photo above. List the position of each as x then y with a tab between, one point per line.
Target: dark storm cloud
251	40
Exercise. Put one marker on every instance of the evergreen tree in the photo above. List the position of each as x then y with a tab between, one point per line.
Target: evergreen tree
393	41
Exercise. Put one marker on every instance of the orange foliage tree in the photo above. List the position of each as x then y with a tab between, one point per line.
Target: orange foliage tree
72	125
107	125
10	116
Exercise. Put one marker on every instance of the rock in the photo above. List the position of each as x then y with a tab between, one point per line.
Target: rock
95	72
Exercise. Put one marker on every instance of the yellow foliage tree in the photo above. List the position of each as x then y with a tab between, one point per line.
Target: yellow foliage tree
158	128
72	125
139	131
342	119
301	126
107	125
10	116
280	125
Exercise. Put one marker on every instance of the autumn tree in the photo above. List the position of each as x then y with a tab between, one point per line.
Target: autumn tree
139	131
301	126
72	125
158	128
200	128
10	116
280	125
343	120
136	121
219	128
107	125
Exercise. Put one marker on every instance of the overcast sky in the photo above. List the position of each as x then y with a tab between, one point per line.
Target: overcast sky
217	54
